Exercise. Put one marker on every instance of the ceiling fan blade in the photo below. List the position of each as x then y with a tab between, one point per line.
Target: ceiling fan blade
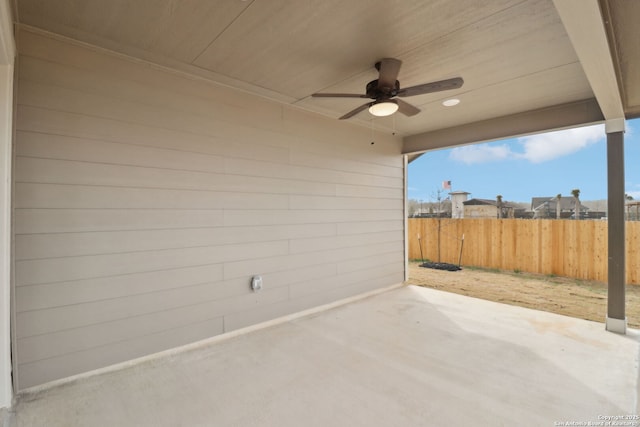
406	108
389	69
337	95
356	111
441	85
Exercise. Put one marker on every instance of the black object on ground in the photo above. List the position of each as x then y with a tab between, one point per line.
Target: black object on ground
441	266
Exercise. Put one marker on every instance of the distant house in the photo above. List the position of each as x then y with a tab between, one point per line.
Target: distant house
487	208
546	207
431	209
458	199
633	210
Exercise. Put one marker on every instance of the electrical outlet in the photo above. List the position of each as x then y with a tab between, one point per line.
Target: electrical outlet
256	283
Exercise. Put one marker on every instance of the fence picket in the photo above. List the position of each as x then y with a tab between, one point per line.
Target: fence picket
565	248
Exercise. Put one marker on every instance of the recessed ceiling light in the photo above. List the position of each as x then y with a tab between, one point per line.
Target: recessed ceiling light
451	102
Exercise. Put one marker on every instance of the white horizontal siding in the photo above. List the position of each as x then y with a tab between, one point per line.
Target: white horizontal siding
305	130
145	200
322	285
36	271
42	196
71	363
55	331
46	146
60	220
281	263
59	294
260	314
52	122
306	216
57	245
69	172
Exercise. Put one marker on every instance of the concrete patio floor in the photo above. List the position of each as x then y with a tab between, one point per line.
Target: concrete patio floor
406	357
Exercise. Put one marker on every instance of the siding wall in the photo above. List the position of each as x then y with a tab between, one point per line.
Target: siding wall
480	211
145	200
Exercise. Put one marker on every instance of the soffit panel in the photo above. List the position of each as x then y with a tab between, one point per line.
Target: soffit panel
180	30
528	66
624	15
550	87
514	55
298	47
482	54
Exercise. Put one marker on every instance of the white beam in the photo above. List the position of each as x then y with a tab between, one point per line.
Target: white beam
583	22
6	109
614	125
529	122
7	43
7	54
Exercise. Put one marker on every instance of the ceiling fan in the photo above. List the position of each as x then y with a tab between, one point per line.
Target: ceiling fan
386	87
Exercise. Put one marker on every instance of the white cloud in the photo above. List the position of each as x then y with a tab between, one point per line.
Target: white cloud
634	194
481	153
548	146
535	148
633	190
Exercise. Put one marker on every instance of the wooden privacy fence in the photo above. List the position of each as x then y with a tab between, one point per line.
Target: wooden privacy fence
567	248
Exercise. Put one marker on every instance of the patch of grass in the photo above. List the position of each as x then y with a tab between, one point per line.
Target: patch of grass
419	261
602	289
517	271
485	269
575	297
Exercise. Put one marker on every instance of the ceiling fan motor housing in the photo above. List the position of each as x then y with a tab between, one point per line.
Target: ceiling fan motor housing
375	92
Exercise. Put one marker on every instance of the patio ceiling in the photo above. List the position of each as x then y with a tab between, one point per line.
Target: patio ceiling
528	65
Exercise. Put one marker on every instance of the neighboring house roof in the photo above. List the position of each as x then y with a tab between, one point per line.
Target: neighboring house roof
491	202
567	203
475	202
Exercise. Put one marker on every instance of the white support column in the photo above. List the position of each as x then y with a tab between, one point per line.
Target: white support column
584	23
405	161
7	54
6	107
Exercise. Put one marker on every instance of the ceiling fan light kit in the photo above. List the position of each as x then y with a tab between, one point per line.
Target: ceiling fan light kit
383	108
384	90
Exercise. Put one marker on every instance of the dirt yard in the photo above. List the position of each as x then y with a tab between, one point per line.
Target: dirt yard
570	297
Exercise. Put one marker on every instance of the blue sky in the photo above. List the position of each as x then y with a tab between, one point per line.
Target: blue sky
532	166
